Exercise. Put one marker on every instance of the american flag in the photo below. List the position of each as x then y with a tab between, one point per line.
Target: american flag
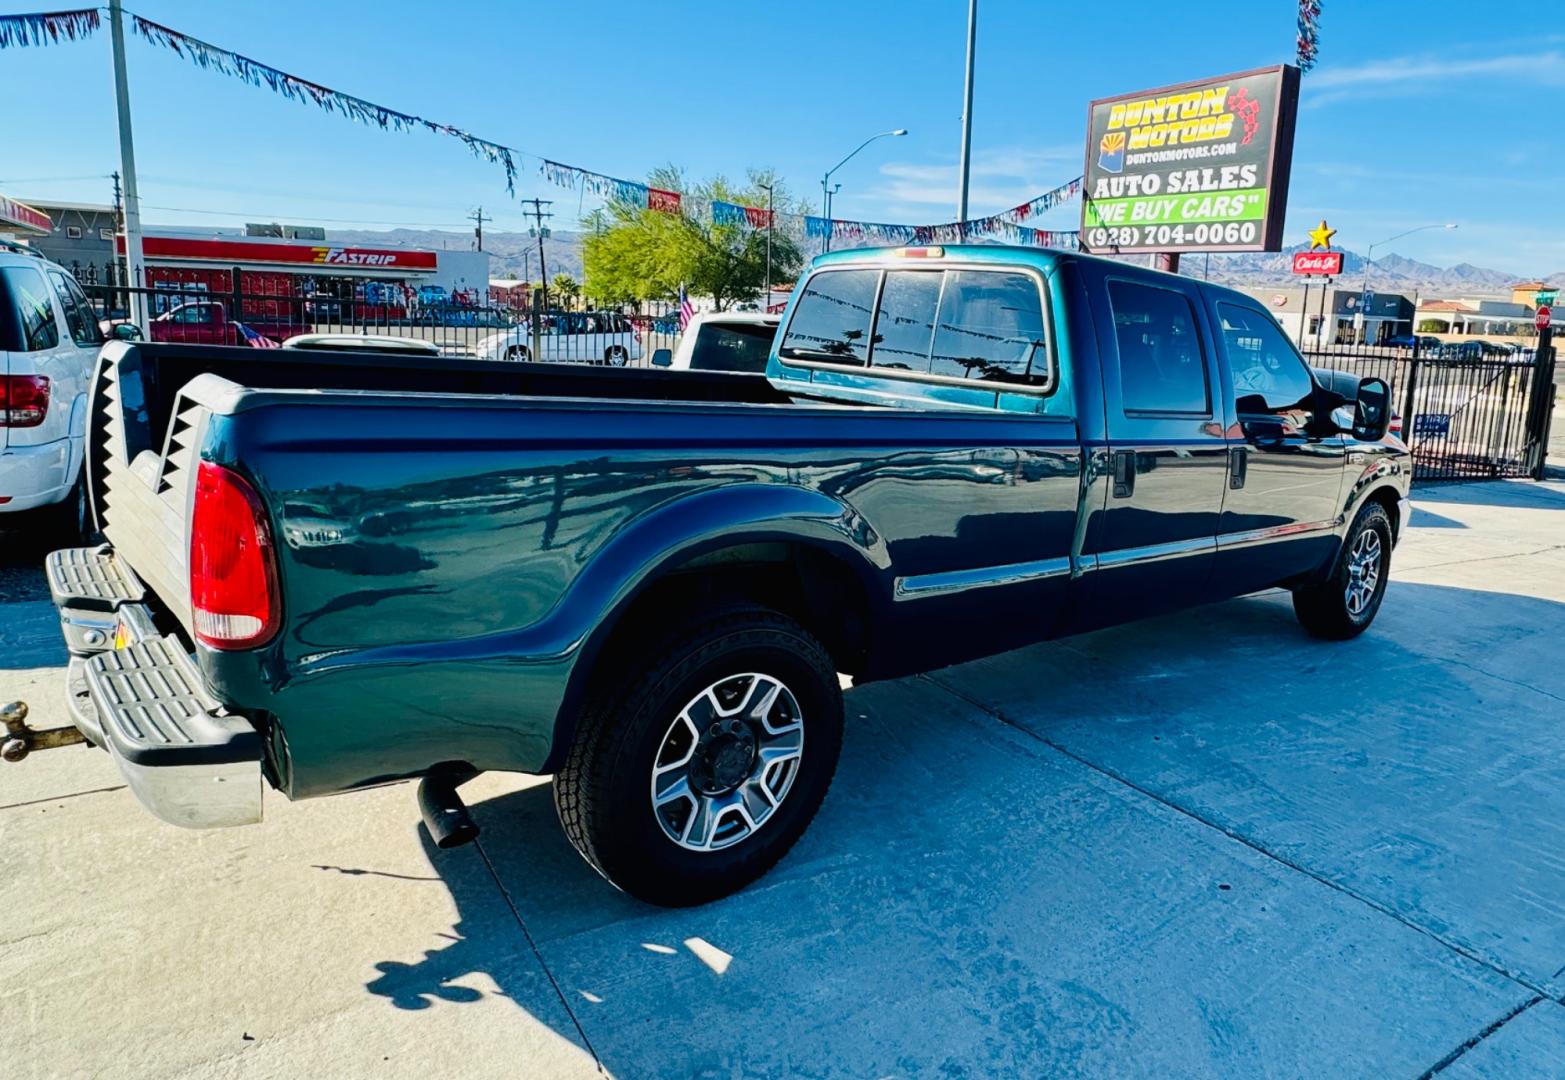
255	340
686	312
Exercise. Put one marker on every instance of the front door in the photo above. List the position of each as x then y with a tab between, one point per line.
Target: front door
1280	513
1167	454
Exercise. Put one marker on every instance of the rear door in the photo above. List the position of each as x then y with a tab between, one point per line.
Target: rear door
1279	516
1167	453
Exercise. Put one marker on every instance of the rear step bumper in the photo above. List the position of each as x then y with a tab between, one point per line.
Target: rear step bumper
141	697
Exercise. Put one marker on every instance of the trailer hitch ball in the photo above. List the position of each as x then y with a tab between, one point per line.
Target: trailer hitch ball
21	740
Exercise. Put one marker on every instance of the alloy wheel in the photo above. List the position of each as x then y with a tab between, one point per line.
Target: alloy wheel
727	762
1364	569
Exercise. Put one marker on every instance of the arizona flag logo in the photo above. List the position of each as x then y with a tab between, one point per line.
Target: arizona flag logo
1111	152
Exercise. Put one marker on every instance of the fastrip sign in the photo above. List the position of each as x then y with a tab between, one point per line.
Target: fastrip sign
1201	166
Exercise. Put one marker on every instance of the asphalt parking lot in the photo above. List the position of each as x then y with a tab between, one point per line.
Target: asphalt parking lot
1202	845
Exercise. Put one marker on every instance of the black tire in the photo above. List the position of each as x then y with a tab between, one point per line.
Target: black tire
1324	608
517	353
65	523
603	791
615	356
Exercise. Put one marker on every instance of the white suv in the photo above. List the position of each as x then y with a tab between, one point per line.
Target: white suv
49	339
583	337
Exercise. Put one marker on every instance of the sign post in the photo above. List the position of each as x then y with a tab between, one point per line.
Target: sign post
1543	392
1201	166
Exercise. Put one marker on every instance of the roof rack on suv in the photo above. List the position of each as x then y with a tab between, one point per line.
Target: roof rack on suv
16	247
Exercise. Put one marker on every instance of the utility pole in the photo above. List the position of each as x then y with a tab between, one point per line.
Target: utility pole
478	216
119	227
967	116
540	231
135	268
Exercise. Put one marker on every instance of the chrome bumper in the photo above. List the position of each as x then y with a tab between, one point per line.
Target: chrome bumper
139	695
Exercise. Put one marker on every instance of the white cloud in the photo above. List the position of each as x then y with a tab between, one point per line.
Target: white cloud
998	180
1412	73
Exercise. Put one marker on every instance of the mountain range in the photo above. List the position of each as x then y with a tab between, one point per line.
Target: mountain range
515	253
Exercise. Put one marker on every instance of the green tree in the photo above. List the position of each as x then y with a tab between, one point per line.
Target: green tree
643	254
565	288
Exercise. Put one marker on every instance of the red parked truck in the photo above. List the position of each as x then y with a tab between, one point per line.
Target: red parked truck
206	322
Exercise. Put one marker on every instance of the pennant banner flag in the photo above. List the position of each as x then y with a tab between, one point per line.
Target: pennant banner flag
1309	34
211	57
47	27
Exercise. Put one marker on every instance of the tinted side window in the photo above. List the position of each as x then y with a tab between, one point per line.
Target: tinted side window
27	322
990	327
831	320
1161	369
1269	376
83	328
905	325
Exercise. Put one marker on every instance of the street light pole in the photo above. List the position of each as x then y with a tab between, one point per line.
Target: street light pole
967	117
771	219
1369	259
827	191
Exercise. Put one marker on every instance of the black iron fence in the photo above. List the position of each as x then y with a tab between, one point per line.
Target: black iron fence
1469	410
268	309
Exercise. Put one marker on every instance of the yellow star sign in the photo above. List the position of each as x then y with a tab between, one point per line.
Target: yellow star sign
1320	236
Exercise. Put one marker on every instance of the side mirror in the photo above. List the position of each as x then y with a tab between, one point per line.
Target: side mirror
126	331
662	358
1372	410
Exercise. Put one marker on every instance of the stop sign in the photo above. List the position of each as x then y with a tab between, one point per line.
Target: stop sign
1544	316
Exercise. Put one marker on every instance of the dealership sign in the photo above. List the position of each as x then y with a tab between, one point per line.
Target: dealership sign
1201	166
1317	262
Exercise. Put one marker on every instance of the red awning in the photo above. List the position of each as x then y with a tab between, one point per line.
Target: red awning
328	258
23	218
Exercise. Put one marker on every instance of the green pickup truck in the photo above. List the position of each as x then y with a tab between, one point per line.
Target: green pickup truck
326	571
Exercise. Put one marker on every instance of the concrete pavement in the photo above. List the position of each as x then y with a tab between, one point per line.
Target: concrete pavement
1202	845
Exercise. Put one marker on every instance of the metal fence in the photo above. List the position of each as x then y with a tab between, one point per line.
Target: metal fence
269	308
1469	411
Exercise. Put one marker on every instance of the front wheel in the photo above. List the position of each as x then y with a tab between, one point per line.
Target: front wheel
616	356
693	780
1344	605
517	352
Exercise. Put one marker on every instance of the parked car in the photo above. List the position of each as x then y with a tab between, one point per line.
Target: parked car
1400	341
337	570
1430	345
49	338
723	341
593	337
206	322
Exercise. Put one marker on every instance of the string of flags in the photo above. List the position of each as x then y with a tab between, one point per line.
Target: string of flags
44	28
1309	34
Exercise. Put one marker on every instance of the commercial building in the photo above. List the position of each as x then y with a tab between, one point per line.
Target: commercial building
80	237
337	280
1477	317
1324	315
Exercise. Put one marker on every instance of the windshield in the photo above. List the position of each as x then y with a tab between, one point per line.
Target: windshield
734	347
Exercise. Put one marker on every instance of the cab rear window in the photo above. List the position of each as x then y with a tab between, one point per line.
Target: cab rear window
27	322
946	325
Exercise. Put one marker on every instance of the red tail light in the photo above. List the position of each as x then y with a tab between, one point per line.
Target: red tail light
233	564
24	400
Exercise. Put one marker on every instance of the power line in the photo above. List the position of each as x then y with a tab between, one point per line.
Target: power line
330	221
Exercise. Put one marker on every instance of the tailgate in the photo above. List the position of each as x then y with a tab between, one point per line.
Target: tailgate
141	478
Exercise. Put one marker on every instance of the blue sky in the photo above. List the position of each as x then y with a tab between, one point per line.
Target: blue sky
1416	113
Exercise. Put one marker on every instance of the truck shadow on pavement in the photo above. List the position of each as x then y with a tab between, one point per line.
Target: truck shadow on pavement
1202	844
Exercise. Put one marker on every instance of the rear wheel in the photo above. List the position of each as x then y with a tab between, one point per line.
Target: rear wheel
517	352
704	769
616	356
1344	605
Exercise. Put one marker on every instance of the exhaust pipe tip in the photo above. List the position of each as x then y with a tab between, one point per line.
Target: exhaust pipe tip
445	815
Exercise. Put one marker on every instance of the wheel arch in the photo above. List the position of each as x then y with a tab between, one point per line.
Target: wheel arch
796	551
